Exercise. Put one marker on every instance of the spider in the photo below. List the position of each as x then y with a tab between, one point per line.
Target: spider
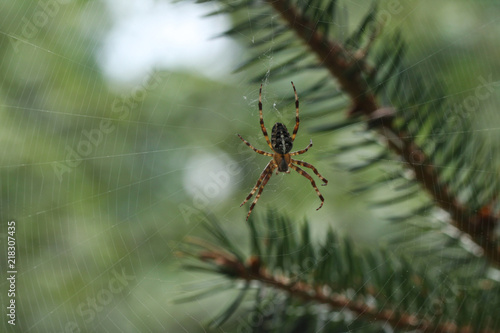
281	144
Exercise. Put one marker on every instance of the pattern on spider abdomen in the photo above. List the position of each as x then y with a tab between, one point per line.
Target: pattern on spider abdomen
280	139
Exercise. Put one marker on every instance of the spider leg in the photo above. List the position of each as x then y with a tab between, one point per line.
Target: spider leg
310	166
297	121
305	174
264	182
298	152
267	170
264	130
255	149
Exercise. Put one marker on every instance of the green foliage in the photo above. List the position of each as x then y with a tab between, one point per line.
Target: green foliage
328	285
435	196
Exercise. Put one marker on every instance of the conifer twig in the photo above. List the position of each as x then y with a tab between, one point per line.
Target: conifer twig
332	55
252	270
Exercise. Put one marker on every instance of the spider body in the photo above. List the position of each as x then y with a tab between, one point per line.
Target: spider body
281	144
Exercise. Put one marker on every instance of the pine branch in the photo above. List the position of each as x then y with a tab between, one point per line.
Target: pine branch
253	271
388	289
349	70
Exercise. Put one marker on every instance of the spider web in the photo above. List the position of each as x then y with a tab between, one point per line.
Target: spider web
109	163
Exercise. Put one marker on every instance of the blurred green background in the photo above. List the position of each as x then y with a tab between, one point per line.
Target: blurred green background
113	147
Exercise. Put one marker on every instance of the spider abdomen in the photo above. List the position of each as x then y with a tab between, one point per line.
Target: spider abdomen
280	139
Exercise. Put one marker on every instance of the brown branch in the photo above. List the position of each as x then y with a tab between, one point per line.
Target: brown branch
343	66
254	271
